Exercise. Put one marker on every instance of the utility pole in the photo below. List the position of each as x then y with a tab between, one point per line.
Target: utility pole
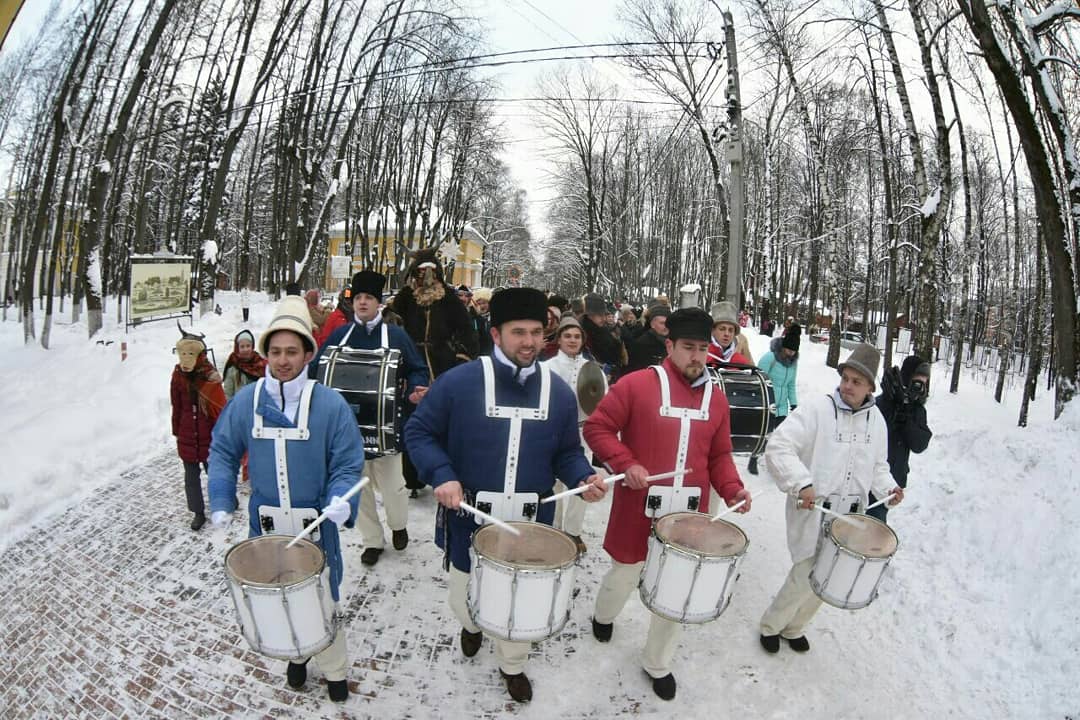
735	157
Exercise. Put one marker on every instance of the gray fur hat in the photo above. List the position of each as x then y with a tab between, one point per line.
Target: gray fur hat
865	359
724	311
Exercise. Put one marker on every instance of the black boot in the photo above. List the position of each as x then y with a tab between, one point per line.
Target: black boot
602	631
771	643
198	521
371	556
752	466
400	538
518	686
296	675
471	642
664	687
338	690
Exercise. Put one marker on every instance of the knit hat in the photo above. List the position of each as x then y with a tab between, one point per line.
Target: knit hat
518	304
724	312
482	293
791	338
243	335
865	359
690	323
291	314
369	283
658	310
594	304
567	322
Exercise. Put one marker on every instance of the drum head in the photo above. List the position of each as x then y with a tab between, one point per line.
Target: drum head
265	561
874	539
697	533
538	547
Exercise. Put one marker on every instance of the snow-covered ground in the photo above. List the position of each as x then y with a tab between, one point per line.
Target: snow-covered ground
978	617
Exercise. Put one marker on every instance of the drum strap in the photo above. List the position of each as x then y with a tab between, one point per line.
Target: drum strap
516	415
281	435
685	416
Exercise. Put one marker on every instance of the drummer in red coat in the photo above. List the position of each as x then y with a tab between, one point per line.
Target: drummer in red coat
691	429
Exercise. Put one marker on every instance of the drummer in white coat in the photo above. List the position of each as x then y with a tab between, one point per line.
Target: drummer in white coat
833	448
567	364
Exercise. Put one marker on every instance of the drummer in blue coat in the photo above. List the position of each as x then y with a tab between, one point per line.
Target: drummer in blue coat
368	331
470	425
304	453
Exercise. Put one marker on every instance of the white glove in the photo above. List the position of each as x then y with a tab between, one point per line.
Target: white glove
220	518
338	510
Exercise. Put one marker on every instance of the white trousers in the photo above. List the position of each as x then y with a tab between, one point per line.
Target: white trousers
511	655
794	606
664	635
569	512
334	660
386	478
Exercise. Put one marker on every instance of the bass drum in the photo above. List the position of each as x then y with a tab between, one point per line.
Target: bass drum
368	380
750	396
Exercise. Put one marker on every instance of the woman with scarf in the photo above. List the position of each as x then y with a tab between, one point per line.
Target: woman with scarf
244	364
781	364
197	399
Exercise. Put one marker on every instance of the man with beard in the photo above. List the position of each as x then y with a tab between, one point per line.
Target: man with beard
667	418
505	411
438	323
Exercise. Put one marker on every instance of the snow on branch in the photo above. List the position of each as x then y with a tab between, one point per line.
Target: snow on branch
1041	22
929	208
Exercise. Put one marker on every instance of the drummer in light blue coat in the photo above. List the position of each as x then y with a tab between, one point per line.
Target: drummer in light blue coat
313	427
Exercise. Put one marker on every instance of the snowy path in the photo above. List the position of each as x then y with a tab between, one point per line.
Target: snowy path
126	614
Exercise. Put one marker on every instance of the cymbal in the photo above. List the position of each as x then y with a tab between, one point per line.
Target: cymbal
591	386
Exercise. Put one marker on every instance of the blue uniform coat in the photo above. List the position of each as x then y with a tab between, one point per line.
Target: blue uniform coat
450	438
327	464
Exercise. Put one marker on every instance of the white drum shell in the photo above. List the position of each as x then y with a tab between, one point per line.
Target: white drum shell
288	622
685	586
844	578
519	604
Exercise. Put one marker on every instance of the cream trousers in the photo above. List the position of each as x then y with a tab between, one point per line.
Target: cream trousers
334	660
664	635
511	655
386	478
795	604
569	512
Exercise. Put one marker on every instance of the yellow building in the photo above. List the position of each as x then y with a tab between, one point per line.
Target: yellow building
383	254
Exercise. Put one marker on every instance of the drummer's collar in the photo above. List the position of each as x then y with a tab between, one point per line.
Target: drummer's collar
286	395
369	325
521	374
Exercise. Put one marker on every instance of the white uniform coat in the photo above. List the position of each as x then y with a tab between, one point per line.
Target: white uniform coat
837	450
568	368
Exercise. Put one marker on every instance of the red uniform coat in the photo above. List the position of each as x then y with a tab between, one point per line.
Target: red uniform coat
632	408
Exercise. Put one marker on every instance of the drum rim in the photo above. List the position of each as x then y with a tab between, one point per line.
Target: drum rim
693	552
528	568
313	577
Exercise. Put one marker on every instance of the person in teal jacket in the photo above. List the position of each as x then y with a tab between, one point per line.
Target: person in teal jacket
781	364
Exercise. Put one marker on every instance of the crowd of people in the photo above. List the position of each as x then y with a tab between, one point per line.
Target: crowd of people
488	385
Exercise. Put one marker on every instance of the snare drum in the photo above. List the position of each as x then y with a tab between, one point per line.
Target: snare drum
692	567
752	403
520	585
368	380
850	561
282	596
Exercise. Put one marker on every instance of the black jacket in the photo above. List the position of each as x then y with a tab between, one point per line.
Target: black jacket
443	331
908	433
648	349
602	343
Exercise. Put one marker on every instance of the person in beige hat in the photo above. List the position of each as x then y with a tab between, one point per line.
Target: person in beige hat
307	458
832	448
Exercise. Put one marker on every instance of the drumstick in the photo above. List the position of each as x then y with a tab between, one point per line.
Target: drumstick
734	507
484	516
308	530
882	501
614	478
839	516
